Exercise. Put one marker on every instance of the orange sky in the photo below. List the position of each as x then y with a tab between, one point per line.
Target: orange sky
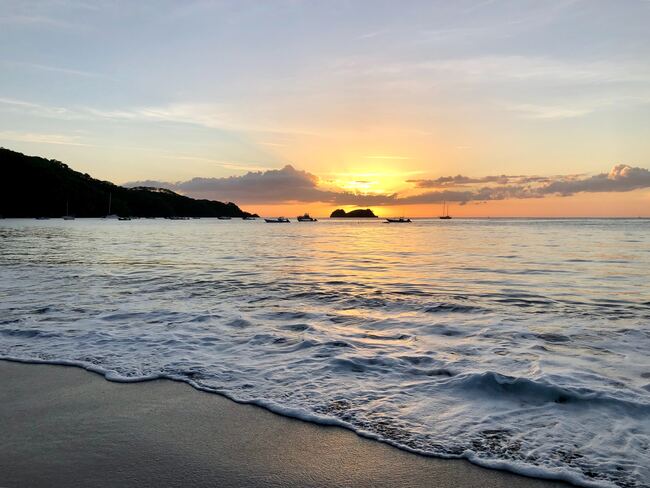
629	204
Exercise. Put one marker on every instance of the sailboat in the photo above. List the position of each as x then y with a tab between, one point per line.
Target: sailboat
110	215
445	211
67	215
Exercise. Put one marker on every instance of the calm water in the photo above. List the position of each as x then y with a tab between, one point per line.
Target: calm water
520	344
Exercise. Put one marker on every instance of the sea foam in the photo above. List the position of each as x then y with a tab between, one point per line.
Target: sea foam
518	345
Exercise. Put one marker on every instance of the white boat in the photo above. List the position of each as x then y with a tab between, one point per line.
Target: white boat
279	220
306	218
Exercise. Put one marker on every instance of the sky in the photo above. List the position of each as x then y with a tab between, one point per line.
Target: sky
500	108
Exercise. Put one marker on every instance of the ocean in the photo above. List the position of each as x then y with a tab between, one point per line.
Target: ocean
517	344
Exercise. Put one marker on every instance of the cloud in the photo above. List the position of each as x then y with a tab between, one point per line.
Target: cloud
289	184
446	181
208	115
55	69
272	186
60	139
497	69
621	178
552	111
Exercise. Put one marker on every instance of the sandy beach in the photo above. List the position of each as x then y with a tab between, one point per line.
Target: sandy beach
64	426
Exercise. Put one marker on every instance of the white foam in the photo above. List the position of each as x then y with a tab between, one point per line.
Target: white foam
454	353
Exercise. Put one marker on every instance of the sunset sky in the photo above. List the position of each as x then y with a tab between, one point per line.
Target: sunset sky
502	108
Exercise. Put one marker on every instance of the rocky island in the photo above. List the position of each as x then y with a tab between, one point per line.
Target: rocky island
360	213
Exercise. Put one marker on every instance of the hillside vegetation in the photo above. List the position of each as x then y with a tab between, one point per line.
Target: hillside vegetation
32	186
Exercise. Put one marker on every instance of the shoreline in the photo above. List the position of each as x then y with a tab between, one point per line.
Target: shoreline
68	426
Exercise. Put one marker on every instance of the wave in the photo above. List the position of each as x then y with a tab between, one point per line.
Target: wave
492	384
383	431
461	352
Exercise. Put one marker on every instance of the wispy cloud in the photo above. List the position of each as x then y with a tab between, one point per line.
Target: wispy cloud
211	116
221	163
59	139
54	69
32	20
387	157
550	111
509	68
369	35
40	110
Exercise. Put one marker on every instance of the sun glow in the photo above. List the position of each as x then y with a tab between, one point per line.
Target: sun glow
375	181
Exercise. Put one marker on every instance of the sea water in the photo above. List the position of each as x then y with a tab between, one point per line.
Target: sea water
517	344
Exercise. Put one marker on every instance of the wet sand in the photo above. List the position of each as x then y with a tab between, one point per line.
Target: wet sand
64	426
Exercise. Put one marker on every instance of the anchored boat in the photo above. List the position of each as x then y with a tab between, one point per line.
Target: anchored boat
445	211
306	218
67	215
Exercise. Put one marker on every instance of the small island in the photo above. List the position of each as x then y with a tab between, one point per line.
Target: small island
361	213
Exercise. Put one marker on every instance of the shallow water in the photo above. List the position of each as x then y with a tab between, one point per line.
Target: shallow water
518	344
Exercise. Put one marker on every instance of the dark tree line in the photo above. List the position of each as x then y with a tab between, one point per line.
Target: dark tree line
31	186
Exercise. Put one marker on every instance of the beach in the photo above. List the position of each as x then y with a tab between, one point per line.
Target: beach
429	342
64	426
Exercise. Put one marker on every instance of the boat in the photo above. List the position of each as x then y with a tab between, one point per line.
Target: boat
67	215
445	212
109	215
399	220
224	218
249	217
124	218
306	218
279	220
42	218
